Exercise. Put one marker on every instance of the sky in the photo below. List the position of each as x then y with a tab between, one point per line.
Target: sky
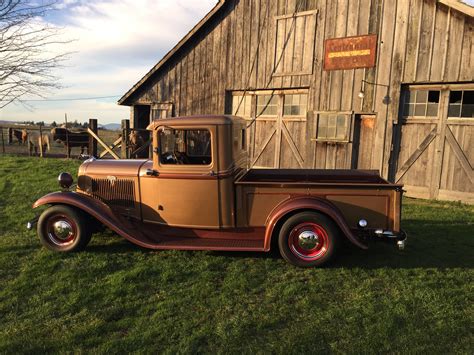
115	43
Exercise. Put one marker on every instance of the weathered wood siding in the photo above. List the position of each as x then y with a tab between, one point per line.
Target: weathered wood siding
419	41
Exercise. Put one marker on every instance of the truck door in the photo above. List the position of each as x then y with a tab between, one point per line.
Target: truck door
184	190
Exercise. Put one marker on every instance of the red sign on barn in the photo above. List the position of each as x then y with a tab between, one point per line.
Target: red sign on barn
350	52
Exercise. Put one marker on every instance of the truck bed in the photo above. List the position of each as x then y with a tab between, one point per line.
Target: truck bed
311	176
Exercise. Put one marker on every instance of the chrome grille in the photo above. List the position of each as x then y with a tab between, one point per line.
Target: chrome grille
118	192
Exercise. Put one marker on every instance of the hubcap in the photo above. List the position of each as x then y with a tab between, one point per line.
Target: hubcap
308	241
61	230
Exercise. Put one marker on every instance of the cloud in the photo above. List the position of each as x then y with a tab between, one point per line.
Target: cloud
116	43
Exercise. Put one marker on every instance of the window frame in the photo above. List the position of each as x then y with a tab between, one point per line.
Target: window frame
185	166
276	61
280	94
404	103
461	104
349	128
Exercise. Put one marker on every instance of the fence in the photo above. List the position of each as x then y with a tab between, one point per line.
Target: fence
131	143
117	144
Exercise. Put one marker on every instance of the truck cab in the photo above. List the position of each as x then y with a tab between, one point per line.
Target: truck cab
198	193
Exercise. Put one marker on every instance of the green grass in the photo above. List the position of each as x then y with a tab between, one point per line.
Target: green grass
116	297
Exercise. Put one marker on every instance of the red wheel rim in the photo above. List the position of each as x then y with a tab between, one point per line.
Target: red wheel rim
61	230
308	241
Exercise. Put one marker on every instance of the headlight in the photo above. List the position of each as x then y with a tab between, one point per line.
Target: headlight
65	180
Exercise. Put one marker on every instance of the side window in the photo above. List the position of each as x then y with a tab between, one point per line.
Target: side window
185	147
241	106
461	104
333	127
421	103
295	105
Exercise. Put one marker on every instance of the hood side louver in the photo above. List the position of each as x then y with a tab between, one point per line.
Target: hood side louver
116	193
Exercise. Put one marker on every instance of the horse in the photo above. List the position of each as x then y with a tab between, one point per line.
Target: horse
135	142
71	139
37	140
22	136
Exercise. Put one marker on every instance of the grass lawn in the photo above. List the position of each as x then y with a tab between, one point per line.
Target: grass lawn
116	297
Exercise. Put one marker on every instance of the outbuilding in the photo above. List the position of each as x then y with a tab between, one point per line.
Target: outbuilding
332	84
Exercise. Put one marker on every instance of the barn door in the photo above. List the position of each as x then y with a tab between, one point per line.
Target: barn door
416	149
277	127
278	138
456	180
434	155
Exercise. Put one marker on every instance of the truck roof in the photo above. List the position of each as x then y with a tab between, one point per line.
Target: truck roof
194	120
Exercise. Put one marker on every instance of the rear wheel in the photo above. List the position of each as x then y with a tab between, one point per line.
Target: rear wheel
308	239
63	228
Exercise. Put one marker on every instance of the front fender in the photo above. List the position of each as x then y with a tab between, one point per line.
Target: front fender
308	203
96	209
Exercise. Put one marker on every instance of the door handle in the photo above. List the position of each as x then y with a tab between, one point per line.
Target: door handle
151	172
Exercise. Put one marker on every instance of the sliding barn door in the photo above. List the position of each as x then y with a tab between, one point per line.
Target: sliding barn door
276	126
433	151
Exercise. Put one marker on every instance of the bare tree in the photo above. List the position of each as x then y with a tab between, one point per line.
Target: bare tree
28	50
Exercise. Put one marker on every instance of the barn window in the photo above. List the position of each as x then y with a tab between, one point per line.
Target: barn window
295	105
461	104
333	127
241	105
161	110
294	46
421	103
267	105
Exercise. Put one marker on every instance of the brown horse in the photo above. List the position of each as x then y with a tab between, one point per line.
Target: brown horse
71	139
36	140
22	136
135	142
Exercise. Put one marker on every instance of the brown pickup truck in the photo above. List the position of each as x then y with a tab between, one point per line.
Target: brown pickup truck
197	194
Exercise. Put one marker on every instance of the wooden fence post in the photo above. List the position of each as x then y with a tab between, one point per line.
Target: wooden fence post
92	141
3	141
125	132
10	135
68	150
41	141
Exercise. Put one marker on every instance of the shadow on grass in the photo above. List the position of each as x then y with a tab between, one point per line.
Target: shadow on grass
430	245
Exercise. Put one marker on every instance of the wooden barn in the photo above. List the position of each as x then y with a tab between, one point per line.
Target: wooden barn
332	84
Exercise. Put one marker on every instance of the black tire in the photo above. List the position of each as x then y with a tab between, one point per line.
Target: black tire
63	228
309	239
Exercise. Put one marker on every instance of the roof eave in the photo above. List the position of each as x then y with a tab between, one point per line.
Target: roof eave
459	6
124	99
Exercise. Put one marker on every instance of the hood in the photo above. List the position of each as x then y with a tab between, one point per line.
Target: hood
111	167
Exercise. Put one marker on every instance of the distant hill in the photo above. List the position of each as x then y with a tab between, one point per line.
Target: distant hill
111	126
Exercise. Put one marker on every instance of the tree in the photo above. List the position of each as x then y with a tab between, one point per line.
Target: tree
27	44
54	124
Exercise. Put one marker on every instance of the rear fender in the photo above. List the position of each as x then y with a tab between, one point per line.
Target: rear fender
292	205
93	207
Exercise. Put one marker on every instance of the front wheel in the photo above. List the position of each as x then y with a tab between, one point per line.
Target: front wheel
63	228
308	239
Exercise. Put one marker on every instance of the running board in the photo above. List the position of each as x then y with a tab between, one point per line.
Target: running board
186	243
164	237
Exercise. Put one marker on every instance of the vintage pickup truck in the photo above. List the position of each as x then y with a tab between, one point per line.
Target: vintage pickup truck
198	194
